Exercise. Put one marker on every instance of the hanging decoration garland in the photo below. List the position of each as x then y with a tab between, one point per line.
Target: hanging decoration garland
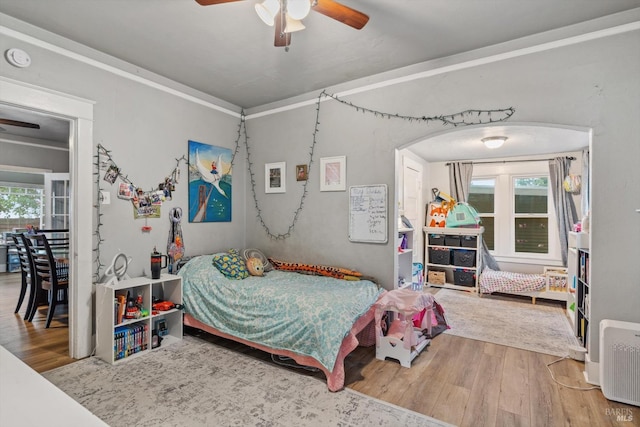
114	172
285	235
463	118
144	202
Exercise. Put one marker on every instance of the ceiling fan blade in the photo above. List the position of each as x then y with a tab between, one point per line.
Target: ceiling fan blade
342	13
282	39
19	124
211	2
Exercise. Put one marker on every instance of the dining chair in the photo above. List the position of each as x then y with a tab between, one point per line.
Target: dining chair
25	269
51	265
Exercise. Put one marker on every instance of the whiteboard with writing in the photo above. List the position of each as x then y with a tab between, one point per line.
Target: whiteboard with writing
368	213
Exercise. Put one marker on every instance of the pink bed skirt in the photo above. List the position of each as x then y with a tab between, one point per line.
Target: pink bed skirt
335	378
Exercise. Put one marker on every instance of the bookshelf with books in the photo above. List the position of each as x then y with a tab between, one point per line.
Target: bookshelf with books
582	296
126	322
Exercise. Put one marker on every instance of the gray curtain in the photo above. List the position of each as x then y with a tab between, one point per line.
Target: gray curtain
460	175
565	208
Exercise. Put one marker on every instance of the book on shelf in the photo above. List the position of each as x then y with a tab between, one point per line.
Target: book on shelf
129	340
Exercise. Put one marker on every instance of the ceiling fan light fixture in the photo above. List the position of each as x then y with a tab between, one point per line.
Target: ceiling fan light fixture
267	11
293	25
494	141
298	9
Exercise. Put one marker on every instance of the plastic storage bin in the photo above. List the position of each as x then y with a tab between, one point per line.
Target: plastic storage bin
469	241
439	256
452	241
436	239
464	258
464	277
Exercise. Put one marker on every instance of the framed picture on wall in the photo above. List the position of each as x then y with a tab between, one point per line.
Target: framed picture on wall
275	177
333	173
210	186
302	172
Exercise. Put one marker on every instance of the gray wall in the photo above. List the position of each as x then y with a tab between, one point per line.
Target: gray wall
146	129
29	156
592	84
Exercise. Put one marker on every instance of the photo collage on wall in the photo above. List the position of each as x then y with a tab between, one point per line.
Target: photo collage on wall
146	204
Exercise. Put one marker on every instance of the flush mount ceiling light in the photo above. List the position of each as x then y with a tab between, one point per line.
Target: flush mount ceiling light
494	141
287	15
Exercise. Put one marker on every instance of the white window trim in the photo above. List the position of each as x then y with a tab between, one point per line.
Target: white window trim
504	238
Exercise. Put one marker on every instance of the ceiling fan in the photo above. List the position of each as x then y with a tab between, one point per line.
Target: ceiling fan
287	15
19	124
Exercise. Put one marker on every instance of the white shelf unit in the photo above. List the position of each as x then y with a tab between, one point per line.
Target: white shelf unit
405	256
583	300
436	248
577	243
168	287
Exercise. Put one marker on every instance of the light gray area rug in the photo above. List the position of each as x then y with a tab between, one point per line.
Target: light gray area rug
513	323
196	383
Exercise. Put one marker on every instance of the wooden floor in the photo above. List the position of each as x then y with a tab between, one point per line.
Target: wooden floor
461	381
40	348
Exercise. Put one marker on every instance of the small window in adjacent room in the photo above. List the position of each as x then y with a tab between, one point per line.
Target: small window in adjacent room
20	206
531	214
516	208
482	198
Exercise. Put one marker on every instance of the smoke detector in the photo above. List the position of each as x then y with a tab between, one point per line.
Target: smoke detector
18	57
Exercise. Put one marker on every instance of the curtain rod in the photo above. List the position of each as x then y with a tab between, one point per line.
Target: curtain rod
509	161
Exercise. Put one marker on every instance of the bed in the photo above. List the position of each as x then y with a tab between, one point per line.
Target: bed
552	284
312	319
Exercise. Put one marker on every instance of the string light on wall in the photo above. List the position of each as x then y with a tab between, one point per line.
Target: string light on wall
104	160
296	214
464	118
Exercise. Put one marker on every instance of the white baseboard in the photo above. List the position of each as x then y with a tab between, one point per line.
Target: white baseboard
591	371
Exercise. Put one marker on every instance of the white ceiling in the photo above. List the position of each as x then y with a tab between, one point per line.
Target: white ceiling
227	52
53	131
523	140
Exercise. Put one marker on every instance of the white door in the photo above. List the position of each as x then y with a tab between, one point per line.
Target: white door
56	201
412	202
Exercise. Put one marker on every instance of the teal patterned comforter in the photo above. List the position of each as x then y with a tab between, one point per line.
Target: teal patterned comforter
309	315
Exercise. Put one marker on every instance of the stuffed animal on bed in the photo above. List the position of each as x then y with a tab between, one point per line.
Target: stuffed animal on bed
255	267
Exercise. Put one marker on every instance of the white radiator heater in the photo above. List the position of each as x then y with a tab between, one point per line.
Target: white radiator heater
620	361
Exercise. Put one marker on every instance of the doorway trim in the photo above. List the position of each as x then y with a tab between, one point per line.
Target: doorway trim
79	112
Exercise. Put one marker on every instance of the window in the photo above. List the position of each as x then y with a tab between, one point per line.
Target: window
515	205
482	198
531	221
19	207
